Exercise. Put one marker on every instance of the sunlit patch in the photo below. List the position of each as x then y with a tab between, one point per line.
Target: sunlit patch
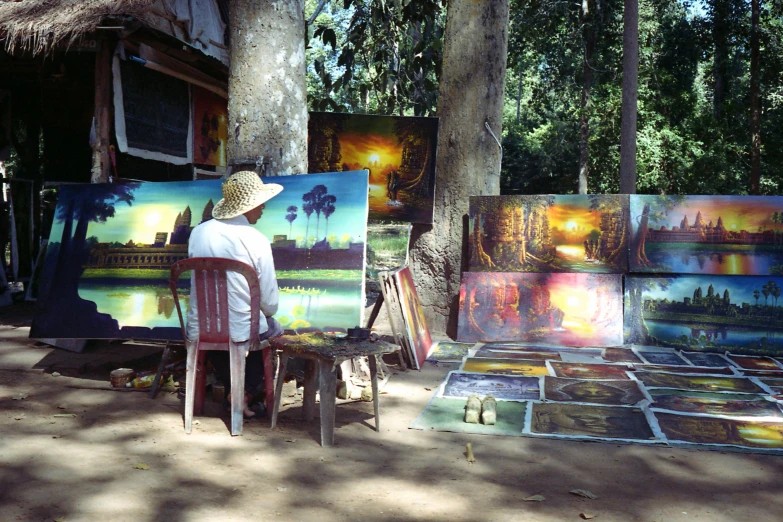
571	225
152	219
374	158
572	301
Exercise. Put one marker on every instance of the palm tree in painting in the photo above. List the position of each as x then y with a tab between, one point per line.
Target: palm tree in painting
328	210
290	217
756	294
318	192
765	290
308	208
776	294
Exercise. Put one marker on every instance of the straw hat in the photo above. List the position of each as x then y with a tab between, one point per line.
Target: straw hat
243	191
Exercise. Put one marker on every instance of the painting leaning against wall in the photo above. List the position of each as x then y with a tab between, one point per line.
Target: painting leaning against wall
549	233
705	313
112	245
728	235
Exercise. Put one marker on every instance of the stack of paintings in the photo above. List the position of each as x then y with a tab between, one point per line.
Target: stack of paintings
111	247
406	316
545	269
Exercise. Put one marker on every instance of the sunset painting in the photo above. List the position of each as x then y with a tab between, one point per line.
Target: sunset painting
563	309
398	151
112	245
730	235
554	233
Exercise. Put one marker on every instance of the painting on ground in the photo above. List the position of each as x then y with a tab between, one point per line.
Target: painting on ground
398	151
730	235
720	430
609	392
705	313
112	245
554	233
506	387
580	420
415	324
717	406
564	309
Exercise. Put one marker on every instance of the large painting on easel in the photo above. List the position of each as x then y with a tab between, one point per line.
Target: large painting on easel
112	245
398	151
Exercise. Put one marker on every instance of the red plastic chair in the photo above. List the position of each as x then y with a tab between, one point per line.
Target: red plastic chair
211	292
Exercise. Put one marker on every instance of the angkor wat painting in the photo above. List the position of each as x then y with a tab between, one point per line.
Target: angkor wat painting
564	309
729	235
112	245
398	151
549	233
705	313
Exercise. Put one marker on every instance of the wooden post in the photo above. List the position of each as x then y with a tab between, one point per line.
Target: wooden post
101	163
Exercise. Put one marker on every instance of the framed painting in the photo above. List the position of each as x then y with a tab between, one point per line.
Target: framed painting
503	387
111	247
210	119
720	430
398	151
705	313
564	309
593	391
729	235
549	233
581	420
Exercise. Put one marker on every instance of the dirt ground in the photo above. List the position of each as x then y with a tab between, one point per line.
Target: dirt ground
84	468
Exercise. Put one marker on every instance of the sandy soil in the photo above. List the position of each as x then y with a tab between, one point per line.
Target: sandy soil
82	468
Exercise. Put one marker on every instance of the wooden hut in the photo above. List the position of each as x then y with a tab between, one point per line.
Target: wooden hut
66	116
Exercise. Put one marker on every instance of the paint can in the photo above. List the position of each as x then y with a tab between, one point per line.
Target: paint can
120	377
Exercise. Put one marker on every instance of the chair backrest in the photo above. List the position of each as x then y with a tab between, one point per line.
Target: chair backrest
211	293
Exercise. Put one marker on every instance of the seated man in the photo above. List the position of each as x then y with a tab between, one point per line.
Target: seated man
231	235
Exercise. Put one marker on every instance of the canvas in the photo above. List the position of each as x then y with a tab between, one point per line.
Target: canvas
625	355
563	309
592	391
580	420
387	247
713	360
398	151
530	368
666	358
444	414
655	392
754	363
710	406
415	324
554	233
732	235
705	313
762	373
698	382
444	351
391	302
210	118
590	371
504	387
699	370
484	353
112	245
720	430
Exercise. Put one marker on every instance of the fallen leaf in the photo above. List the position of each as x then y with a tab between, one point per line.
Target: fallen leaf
587	516
282	489
20	396
583	493
535	498
141	465
428	389
55	374
64	415
19	416
321	459
62	406
469	453
290	440
57	436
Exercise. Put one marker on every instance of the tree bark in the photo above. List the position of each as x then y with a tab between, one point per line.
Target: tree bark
587	81
267	95
101	161
755	105
468	162
630	95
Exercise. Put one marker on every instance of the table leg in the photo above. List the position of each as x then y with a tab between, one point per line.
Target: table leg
327	387
375	399
279	385
310	387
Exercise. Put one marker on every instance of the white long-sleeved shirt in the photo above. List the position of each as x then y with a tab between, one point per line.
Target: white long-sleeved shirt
235	238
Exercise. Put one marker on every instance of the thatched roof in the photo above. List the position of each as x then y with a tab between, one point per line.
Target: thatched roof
39	25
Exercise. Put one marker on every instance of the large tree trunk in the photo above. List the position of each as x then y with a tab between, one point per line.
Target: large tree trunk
587	81
468	162
267	95
630	95
755	105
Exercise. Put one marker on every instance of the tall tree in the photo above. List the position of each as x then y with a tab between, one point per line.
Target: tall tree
267	110
470	107
755	103
589	21
630	95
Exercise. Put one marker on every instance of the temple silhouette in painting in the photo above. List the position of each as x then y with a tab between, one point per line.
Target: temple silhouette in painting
700	232
162	254
714	308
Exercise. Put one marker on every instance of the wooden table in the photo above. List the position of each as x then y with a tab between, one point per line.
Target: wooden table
323	356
